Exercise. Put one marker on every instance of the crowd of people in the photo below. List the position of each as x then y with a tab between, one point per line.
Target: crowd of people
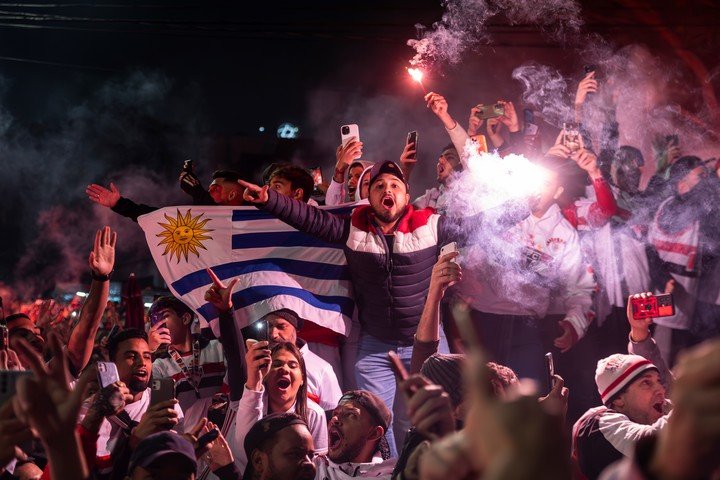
446	374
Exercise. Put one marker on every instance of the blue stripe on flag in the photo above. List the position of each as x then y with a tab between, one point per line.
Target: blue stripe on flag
254	214
316	270
279	239
252	295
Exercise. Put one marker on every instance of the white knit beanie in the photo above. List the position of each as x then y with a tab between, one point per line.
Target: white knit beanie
617	371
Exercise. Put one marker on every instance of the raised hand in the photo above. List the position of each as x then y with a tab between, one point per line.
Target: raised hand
587	85
567	338
559	150
445	273
439	107
408	159
587	160
159	417
102	257
103	196
254	193
509	118
346	154
219	294
158	335
258	362
9	360
639	327
45	402
474	122
429	407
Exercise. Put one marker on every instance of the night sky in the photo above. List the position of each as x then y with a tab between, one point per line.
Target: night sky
93	92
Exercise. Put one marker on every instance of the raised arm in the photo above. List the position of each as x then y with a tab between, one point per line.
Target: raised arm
427	337
102	262
306	218
116	202
220	296
458	135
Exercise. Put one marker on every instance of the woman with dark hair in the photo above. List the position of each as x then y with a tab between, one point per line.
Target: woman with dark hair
276	383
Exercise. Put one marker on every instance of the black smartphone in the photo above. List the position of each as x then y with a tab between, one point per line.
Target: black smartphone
550	369
113	331
161	390
260	331
412	137
588	69
187	166
207	438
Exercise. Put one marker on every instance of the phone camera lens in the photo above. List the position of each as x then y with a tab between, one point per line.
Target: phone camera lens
345	130
648	307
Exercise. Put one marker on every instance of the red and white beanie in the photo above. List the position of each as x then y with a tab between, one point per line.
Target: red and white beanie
617	371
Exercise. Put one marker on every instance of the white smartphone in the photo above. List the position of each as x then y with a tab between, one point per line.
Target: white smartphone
107	373
449	248
349	132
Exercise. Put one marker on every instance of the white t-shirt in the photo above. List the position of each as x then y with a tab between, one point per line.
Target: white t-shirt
212	360
110	432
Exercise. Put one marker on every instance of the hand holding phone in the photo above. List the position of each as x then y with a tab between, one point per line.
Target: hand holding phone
550	370
107	373
161	390
348	133
652	306
571	138
206	438
412	139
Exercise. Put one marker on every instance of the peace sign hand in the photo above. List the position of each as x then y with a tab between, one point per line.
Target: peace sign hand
219	294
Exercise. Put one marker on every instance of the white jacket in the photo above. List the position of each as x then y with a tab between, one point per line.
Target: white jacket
526	290
321	378
329	470
253	406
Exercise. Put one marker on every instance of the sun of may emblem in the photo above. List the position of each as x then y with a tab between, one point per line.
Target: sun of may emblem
183	235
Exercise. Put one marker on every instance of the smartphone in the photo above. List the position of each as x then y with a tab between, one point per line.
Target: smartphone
529	126
316	173
654	306
490	111
481	143
207	438
571	136
187	166
550	369
588	69
412	137
107	373
259	331
113	331
8	380
396	365
449	248
5	340
161	390
349	132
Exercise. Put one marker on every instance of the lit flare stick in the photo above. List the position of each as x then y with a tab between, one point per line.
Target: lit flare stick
417	75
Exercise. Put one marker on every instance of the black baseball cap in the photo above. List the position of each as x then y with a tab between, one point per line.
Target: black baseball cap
389	167
157	445
372	403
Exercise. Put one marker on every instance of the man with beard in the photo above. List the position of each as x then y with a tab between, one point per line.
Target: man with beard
279	447
448	163
356	436
391	249
131	354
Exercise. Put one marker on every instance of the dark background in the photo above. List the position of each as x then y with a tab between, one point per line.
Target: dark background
93	92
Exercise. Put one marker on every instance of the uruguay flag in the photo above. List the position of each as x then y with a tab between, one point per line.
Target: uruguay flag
277	266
